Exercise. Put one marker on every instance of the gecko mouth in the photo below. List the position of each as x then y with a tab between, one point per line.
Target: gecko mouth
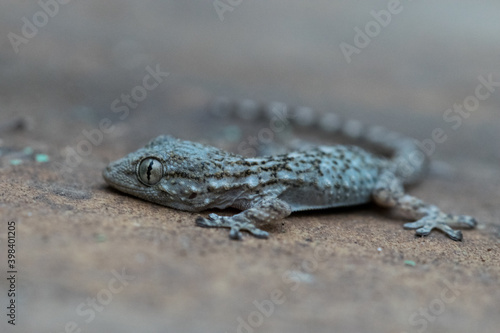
120	187
109	179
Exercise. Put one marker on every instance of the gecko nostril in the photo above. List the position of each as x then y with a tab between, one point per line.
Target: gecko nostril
193	195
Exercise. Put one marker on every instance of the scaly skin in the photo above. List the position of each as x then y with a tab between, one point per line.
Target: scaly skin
194	177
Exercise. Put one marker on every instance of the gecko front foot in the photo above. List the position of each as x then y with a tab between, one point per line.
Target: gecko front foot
442	222
264	211
236	225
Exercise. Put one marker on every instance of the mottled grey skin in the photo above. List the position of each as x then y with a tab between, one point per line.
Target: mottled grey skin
194	177
197	177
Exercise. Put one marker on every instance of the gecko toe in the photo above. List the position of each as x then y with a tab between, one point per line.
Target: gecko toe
466	221
413	225
259	233
203	222
235	234
424	231
456	235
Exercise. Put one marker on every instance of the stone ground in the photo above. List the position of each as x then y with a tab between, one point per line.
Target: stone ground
347	270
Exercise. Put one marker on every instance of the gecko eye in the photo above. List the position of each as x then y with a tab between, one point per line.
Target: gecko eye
149	171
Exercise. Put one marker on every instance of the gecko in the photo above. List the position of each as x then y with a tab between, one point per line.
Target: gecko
194	177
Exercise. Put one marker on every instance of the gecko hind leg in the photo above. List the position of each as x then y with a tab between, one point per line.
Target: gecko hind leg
267	210
389	193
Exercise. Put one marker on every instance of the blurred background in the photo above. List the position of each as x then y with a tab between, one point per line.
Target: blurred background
412	66
426	58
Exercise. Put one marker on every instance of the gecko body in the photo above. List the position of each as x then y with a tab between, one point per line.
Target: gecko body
194	177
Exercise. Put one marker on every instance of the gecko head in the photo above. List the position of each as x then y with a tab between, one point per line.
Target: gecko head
167	171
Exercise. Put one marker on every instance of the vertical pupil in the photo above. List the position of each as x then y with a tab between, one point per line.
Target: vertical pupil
150	171
150	167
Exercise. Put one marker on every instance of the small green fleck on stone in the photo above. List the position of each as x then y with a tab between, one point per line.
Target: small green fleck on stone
100	238
410	263
28	151
42	158
16	161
